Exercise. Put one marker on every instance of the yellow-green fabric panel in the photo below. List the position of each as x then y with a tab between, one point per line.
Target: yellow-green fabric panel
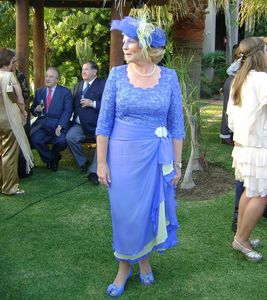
160	237
167	169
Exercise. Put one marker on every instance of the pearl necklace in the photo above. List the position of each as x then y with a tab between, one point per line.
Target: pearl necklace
145	75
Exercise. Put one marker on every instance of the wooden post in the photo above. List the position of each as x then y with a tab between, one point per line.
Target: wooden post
116	54
22	35
38	43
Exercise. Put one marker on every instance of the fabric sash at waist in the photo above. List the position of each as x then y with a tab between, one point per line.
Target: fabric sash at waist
125	131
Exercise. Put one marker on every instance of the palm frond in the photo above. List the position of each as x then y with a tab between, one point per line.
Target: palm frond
84	51
253	9
220	4
248	8
181	8
159	15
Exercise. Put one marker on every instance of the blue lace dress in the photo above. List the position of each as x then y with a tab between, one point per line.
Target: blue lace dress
141	124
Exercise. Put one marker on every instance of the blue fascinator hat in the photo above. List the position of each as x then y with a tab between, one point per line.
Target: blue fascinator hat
145	33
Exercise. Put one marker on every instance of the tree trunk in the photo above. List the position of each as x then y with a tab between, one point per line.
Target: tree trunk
116	53
193	163
188	35
231	13
249	27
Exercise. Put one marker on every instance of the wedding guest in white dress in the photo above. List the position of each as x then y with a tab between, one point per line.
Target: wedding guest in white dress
247	112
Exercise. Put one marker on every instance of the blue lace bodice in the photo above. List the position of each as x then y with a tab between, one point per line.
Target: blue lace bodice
157	106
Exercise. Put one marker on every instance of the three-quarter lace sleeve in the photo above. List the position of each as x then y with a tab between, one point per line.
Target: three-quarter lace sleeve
108	106
175	117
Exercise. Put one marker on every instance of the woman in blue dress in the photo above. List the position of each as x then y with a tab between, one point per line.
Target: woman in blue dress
140	133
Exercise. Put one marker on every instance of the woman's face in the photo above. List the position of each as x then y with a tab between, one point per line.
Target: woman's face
132	51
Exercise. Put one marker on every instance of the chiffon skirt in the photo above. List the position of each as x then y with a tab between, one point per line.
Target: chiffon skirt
251	167
142	198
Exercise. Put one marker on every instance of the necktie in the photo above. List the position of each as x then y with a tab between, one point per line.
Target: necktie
85	89
48	99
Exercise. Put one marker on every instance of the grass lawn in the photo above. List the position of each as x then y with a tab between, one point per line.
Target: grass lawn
55	241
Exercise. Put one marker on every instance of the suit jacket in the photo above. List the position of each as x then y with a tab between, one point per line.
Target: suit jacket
88	115
59	112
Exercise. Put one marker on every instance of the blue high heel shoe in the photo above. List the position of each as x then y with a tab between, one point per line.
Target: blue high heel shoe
115	291
146	279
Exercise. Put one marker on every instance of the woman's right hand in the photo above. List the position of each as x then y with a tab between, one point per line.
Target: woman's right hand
103	174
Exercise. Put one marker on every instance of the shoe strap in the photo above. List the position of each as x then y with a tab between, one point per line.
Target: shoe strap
241	246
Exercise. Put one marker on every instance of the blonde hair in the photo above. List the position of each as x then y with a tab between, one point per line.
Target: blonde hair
251	51
154	55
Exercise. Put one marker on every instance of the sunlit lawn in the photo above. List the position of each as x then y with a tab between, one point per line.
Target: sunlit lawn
55	241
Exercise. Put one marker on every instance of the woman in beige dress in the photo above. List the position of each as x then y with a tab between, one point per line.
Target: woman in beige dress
12	134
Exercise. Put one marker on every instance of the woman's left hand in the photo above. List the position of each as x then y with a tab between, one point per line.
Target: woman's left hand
177	176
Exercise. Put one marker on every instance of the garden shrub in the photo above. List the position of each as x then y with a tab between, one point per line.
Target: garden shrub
216	61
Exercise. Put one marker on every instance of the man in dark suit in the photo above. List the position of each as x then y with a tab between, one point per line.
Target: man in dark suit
53	105
225	133
87	96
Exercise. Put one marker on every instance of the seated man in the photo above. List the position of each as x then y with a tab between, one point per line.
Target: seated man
52	105
87	96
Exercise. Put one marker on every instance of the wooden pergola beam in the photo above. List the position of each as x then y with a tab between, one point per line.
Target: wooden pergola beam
75	4
70	3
